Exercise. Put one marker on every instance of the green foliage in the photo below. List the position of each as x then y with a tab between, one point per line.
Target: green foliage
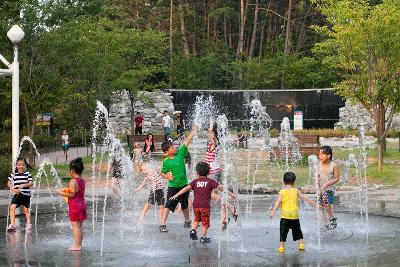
211	70
98	60
43	140
299	72
364	43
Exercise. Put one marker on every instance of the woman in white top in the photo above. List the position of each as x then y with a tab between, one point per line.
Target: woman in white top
65	143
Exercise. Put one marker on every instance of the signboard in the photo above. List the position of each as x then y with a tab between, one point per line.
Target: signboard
44	120
298	120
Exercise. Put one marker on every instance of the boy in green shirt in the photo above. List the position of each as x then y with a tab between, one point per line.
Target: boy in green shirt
173	169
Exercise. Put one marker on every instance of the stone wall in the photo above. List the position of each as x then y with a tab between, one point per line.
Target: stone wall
150	104
120	111
352	116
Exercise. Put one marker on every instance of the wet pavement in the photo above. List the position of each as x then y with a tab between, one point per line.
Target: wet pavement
252	241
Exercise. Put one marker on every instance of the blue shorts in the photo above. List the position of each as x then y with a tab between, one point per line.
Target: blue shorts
167	130
327	197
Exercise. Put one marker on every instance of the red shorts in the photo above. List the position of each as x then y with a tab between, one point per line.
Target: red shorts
77	212
202	215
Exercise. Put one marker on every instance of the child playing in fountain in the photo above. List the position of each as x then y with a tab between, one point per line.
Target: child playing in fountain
174	170
156	191
19	184
329	176
211	158
288	201
116	172
202	187
76	201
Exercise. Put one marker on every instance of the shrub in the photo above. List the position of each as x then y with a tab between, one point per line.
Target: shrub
5	170
5	143
43	140
329	132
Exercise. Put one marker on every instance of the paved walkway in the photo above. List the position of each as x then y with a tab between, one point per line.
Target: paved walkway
59	157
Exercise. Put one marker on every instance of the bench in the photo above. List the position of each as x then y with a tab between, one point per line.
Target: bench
309	144
158	139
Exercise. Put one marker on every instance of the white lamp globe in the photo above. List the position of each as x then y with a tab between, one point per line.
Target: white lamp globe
15	34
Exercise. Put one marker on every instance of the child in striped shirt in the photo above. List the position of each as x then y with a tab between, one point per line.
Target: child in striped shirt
19	184
153	177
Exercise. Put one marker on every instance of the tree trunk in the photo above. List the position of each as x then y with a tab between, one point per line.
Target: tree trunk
242	22
380	132
170	40
230	43
184	39
288	30
253	36
261	52
225	32
300	40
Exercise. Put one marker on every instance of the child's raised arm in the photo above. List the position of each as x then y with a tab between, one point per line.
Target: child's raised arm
181	192
277	204
306	198
189	138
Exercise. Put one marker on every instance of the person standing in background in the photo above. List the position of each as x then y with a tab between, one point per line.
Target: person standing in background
65	143
138	123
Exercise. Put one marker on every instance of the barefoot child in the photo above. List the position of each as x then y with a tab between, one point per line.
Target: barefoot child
202	187
174	170
329	176
156	191
76	201
288	201
19	184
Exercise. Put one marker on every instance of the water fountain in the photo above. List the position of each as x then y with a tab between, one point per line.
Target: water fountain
314	165
110	144
260	123
288	145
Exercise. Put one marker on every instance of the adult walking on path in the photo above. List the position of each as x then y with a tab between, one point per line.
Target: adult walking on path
166	124
65	143
138	123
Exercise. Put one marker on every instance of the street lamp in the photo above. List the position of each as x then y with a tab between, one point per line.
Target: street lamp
15	34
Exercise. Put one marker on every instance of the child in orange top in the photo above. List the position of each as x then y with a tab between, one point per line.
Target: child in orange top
288	200
76	201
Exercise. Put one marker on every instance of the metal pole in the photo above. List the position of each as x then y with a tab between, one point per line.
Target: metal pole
15	104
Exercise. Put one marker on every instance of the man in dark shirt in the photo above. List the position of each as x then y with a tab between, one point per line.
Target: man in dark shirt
138	123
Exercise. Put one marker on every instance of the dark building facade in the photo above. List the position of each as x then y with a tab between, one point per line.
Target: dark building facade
320	106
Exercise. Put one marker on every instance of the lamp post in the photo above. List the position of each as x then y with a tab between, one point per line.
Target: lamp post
15	34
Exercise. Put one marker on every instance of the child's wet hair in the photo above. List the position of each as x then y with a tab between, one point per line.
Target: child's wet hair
289	178
202	168
77	165
166	145
327	150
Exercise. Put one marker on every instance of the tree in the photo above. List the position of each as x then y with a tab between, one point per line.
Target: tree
364	43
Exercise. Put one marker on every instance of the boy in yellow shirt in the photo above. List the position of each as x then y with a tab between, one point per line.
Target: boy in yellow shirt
288	201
